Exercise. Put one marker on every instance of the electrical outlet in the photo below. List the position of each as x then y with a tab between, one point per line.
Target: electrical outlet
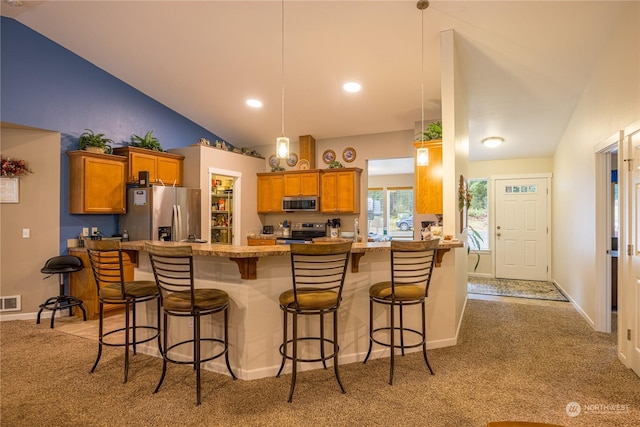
26	233
94	231
85	231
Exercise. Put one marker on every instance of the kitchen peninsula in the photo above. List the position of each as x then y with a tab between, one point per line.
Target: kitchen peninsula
255	326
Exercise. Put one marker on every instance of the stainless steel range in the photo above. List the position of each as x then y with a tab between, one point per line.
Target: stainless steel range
303	232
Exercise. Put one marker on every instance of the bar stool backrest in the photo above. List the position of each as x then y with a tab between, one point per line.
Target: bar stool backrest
412	262
319	267
105	257
172	268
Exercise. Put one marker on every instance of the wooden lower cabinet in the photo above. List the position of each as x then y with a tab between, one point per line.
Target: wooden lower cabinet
82	284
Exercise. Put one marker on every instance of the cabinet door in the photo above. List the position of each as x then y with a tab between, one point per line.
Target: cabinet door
270	193
96	183
428	194
309	183
301	184
142	162
169	171
340	192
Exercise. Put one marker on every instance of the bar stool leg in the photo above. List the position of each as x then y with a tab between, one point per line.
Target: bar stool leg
163	351
424	337
284	341
100	332
324	362
127	317
336	348
196	356
226	342
400	307
370	331
393	346
294	368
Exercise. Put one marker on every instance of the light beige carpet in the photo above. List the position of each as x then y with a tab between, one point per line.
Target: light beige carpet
513	362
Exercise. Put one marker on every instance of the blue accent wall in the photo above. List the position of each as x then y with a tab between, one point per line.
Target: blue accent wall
44	85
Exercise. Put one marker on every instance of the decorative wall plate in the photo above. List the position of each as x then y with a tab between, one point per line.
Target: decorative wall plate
328	156
304	164
274	161
349	154
292	160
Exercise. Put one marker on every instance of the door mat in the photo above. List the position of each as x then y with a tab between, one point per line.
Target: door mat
515	288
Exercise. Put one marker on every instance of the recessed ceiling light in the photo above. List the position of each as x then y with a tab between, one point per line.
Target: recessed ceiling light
352	87
492	141
254	103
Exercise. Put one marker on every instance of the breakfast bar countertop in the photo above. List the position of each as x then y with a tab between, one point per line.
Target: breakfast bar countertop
247	256
238	251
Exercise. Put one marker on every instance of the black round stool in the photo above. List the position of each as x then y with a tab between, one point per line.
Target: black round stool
61	265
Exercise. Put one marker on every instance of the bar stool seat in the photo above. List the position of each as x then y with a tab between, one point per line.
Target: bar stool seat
61	265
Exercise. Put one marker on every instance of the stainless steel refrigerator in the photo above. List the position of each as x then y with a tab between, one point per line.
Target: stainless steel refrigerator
162	213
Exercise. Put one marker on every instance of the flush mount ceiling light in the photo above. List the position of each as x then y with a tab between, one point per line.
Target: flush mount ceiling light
282	142
352	87
254	103
492	141
422	153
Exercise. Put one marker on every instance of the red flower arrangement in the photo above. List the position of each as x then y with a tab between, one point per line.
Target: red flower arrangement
14	167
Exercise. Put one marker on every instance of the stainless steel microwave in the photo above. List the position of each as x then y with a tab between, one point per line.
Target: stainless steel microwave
303	203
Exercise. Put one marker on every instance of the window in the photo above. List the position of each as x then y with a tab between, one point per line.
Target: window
390	213
478	220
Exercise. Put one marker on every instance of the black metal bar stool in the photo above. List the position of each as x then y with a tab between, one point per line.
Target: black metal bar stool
61	265
412	264
318	273
173	270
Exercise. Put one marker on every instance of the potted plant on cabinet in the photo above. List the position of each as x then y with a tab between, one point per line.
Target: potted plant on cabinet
432	131
147	141
94	142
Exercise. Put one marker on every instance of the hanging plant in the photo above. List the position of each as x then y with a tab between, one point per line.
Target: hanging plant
14	168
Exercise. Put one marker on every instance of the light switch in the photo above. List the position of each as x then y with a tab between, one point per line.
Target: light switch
26	233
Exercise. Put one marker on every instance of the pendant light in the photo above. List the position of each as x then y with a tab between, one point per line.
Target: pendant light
422	153
282	142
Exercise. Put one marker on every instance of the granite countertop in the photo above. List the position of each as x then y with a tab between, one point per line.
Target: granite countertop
232	251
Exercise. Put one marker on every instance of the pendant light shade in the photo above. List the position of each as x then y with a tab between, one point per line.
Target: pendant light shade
422	153
282	147
422	156
282	142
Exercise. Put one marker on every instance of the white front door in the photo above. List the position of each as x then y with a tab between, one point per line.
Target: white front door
633	288
521	228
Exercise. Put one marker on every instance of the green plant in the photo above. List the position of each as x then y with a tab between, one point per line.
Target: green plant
431	131
335	165
474	239
277	169
91	139
147	141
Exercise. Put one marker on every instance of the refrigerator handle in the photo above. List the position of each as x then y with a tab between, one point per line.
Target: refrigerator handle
174	224
179	220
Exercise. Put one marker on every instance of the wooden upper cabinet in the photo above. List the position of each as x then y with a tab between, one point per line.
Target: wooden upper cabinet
340	190
301	184
163	167
428	189
96	183
270	192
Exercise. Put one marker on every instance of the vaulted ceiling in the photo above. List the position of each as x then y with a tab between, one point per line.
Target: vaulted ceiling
525	63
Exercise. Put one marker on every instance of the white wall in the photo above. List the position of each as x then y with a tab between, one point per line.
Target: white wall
610	102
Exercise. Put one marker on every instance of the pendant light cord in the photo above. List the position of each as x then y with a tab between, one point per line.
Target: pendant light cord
282	67
422	73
